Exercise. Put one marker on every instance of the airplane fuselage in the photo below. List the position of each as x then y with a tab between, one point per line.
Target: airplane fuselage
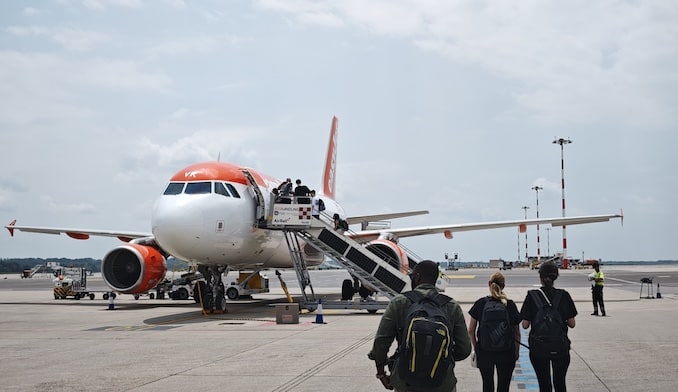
208	216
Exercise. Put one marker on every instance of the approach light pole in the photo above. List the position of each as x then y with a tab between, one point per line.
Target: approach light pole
537	188
527	258
561	141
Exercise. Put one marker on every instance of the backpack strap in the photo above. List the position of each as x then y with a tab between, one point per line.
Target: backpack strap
440	299
413	296
538	296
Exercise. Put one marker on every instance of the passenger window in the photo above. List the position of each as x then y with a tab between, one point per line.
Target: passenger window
233	191
193	188
174	188
221	189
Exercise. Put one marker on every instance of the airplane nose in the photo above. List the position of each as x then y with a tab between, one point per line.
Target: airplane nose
176	224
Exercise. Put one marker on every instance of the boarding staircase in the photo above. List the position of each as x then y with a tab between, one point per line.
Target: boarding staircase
369	268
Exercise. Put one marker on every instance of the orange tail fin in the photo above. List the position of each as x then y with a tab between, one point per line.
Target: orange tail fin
330	174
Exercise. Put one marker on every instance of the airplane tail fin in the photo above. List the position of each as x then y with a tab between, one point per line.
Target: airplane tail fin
329	176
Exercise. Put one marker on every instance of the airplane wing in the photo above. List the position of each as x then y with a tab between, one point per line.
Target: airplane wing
78	234
365	219
448	230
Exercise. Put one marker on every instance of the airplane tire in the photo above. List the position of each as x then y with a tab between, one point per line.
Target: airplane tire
105	296
347	290
91	296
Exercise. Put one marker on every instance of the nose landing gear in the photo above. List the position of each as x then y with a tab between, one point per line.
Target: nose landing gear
211	294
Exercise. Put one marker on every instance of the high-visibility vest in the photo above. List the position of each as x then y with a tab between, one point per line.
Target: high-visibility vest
599	275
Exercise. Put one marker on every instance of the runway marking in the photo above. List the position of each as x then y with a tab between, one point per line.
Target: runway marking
460	276
125	328
309	373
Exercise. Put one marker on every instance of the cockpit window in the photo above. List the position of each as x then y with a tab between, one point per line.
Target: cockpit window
221	189
193	188
174	188
234	192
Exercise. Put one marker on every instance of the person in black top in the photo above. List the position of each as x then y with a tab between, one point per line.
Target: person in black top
548	273
301	193
504	361
285	192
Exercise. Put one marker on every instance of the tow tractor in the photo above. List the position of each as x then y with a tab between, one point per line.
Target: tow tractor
71	282
248	283
180	288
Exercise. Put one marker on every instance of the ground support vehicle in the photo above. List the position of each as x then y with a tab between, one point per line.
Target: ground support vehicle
71	282
180	288
248	283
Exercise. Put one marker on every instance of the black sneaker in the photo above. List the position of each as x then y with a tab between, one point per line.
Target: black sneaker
594	314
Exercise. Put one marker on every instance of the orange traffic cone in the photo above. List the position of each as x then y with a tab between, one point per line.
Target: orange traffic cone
659	295
319	313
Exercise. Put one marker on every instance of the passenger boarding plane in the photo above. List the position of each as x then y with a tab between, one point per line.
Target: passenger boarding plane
209	215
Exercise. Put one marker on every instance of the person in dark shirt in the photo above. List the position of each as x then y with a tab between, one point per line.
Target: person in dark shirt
503	361
340	225
285	191
548	273
424	276
301	193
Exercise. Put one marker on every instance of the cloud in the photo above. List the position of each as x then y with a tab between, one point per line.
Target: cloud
70	39
33	11
149	155
575	63
196	45
77	208
53	83
101	5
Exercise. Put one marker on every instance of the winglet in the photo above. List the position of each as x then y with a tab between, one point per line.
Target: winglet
10	227
330	174
621	213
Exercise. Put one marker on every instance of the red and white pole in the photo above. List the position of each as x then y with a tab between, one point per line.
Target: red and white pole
537	188
527	259
562	142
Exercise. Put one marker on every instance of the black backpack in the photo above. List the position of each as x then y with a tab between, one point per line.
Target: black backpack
494	331
548	334
321	205
425	350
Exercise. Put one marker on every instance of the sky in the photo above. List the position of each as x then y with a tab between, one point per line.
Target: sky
447	106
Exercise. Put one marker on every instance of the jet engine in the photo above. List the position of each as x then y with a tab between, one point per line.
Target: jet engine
133	268
392	253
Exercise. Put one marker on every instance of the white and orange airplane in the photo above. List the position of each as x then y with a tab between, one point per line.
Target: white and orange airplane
209	216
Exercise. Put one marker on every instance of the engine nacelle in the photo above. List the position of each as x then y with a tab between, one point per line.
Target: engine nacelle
390	252
133	268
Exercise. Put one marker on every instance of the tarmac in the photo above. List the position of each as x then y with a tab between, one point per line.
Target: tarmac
156	345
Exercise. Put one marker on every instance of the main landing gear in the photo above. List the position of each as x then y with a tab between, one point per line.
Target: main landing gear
211	293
